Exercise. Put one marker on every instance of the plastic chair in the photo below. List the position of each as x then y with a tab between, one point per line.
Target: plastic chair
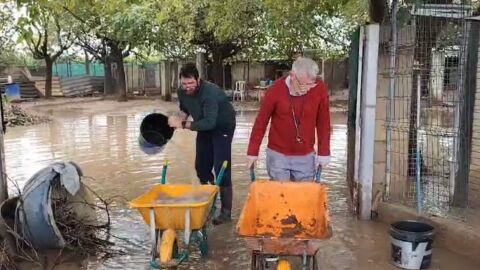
239	90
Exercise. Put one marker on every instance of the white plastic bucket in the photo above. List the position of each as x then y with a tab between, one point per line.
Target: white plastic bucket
411	244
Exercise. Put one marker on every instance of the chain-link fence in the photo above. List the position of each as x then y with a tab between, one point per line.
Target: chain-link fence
427	113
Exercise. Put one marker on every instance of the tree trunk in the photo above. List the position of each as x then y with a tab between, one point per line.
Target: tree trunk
377	10
217	69
119	72
87	64
48	77
109	82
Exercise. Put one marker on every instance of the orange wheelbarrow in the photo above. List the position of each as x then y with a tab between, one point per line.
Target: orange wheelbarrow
284	219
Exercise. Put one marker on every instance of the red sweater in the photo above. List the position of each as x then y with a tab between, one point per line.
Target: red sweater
282	135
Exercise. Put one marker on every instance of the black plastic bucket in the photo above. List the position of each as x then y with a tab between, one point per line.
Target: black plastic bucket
411	244
154	133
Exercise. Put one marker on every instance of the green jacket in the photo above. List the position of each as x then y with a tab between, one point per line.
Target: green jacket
209	108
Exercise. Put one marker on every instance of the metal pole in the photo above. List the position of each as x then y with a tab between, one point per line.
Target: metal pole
3	172
390	95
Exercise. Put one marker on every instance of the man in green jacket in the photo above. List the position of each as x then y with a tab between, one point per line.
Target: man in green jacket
214	120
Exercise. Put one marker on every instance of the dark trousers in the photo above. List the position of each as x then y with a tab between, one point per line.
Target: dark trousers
212	149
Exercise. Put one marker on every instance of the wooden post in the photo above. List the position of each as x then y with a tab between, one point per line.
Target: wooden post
355	74
460	183
201	64
166	76
179	68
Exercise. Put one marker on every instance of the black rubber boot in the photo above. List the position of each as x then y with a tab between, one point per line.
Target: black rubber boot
226	211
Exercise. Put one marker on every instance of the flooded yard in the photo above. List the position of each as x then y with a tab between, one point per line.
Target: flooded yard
101	137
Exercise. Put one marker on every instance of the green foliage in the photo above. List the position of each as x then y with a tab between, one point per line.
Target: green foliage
44	29
230	29
7	23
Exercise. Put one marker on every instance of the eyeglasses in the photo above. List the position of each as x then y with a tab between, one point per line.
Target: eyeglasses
306	85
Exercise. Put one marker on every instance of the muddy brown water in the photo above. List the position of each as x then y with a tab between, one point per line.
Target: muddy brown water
102	137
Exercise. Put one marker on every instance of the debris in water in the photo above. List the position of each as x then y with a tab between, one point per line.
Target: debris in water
82	234
16	116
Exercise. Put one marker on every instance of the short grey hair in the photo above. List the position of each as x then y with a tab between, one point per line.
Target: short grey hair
307	66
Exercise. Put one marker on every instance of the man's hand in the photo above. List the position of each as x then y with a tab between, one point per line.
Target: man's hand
175	121
251	162
182	115
322	161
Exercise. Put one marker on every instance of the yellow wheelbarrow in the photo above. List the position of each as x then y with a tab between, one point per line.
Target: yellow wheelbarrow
170	208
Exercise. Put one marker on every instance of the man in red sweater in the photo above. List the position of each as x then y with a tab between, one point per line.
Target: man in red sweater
296	106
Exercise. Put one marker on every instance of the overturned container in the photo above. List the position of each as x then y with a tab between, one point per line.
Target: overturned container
36	208
154	133
411	244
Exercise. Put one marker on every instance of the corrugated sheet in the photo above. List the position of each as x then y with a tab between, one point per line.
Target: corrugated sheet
56	87
81	85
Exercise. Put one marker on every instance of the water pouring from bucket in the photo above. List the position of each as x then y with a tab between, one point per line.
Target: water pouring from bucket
154	133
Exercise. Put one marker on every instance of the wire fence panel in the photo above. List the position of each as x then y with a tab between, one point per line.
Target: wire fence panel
426	96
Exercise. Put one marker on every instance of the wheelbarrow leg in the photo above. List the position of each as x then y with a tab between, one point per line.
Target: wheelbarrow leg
203	238
305	261
187	231
155	237
315	262
253	264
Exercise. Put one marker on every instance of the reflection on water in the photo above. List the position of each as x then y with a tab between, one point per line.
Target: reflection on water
102	139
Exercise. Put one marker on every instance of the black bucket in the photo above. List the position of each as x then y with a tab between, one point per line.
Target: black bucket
154	133
412	244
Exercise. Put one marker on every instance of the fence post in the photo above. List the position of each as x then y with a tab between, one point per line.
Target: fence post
166	75
467	104
353	130
3	172
201	64
367	120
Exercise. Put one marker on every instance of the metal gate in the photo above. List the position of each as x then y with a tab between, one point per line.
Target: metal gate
425	63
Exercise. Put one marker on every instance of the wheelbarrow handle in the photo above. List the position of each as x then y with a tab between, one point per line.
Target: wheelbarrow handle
318	174
163	181
252	174
220	174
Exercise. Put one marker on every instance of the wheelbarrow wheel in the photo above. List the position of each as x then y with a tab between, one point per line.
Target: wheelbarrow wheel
203	246
284	265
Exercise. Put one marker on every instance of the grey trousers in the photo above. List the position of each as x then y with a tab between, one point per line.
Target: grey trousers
294	168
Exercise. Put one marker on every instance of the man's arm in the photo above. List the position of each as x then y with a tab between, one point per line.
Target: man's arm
210	114
261	123
183	113
323	128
